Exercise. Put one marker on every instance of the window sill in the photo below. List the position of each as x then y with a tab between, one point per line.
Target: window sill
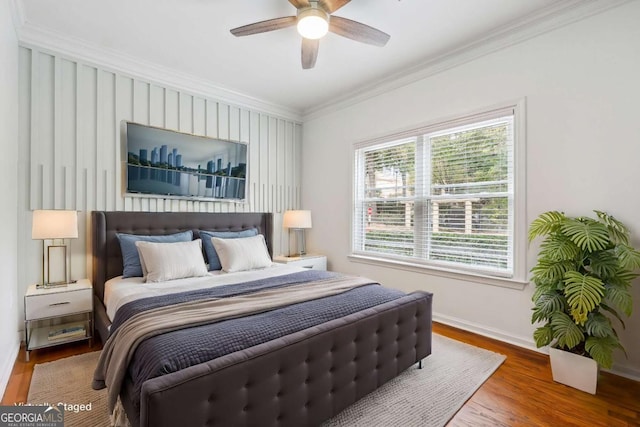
443	272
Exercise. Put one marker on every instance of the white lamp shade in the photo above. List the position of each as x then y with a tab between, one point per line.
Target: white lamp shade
297	219
54	224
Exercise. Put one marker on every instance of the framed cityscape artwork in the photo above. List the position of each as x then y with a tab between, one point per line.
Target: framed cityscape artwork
165	163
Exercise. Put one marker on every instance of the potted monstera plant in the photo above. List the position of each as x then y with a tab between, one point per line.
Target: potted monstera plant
583	278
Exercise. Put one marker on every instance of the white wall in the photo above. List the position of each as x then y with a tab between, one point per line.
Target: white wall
9	341
583	147
70	148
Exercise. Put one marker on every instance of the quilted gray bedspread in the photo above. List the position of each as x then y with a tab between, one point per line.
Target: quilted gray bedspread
173	351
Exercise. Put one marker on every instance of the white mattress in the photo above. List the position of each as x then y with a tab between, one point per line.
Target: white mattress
119	291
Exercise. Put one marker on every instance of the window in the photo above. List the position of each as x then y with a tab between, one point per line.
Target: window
441	196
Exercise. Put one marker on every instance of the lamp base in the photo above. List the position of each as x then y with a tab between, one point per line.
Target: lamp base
52	285
56	264
301	245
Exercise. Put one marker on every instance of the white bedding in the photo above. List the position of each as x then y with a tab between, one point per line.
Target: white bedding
119	291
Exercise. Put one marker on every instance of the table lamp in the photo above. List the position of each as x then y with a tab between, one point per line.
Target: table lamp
56	226
298	221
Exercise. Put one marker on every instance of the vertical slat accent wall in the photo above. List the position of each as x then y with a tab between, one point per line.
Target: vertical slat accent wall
71	114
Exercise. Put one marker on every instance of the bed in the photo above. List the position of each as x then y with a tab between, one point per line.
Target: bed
301	378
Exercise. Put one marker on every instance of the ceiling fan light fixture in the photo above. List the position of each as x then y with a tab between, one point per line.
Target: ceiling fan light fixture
314	19
313	23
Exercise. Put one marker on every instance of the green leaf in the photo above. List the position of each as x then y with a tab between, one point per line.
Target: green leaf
558	247
604	264
566	331
618	233
583	293
614	313
629	257
623	278
548	271
588	234
546	304
543	335
546	223
620	298
601	349
598	325
543	289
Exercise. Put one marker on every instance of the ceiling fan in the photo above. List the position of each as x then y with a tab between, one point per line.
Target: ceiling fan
313	20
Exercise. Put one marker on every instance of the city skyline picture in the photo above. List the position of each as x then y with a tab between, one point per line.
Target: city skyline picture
163	162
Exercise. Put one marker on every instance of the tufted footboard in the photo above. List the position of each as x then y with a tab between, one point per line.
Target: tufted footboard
300	379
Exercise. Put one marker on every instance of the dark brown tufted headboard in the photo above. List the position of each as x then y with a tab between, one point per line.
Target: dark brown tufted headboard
107	258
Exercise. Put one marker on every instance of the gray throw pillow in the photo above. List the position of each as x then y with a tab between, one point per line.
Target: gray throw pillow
131	258
212	255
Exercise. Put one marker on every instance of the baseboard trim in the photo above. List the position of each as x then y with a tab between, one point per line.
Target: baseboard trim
479	329
625	371
519	341
6	366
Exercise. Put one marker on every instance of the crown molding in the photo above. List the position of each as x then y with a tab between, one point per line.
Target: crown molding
557	15
54	42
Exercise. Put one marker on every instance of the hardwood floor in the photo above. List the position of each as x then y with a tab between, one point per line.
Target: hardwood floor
520	393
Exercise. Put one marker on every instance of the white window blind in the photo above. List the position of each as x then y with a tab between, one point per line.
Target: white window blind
441	195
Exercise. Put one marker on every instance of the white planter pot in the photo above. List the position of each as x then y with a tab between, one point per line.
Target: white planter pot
574	370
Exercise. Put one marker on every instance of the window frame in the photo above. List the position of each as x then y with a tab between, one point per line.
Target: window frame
519	248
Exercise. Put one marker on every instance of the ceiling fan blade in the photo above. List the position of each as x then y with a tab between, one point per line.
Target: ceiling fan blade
332	5
357	31
299	3
309	53
264	26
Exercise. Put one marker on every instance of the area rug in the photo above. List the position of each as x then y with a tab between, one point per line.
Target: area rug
427	397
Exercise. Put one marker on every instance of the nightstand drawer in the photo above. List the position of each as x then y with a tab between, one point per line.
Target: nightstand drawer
319	263
57	304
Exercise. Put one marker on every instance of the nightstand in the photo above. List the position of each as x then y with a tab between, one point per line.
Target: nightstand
310	261
54	316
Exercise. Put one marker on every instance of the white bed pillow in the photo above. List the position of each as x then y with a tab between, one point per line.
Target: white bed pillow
144	267
242	254
168	261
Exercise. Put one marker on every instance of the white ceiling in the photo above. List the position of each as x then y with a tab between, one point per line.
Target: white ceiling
192	37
